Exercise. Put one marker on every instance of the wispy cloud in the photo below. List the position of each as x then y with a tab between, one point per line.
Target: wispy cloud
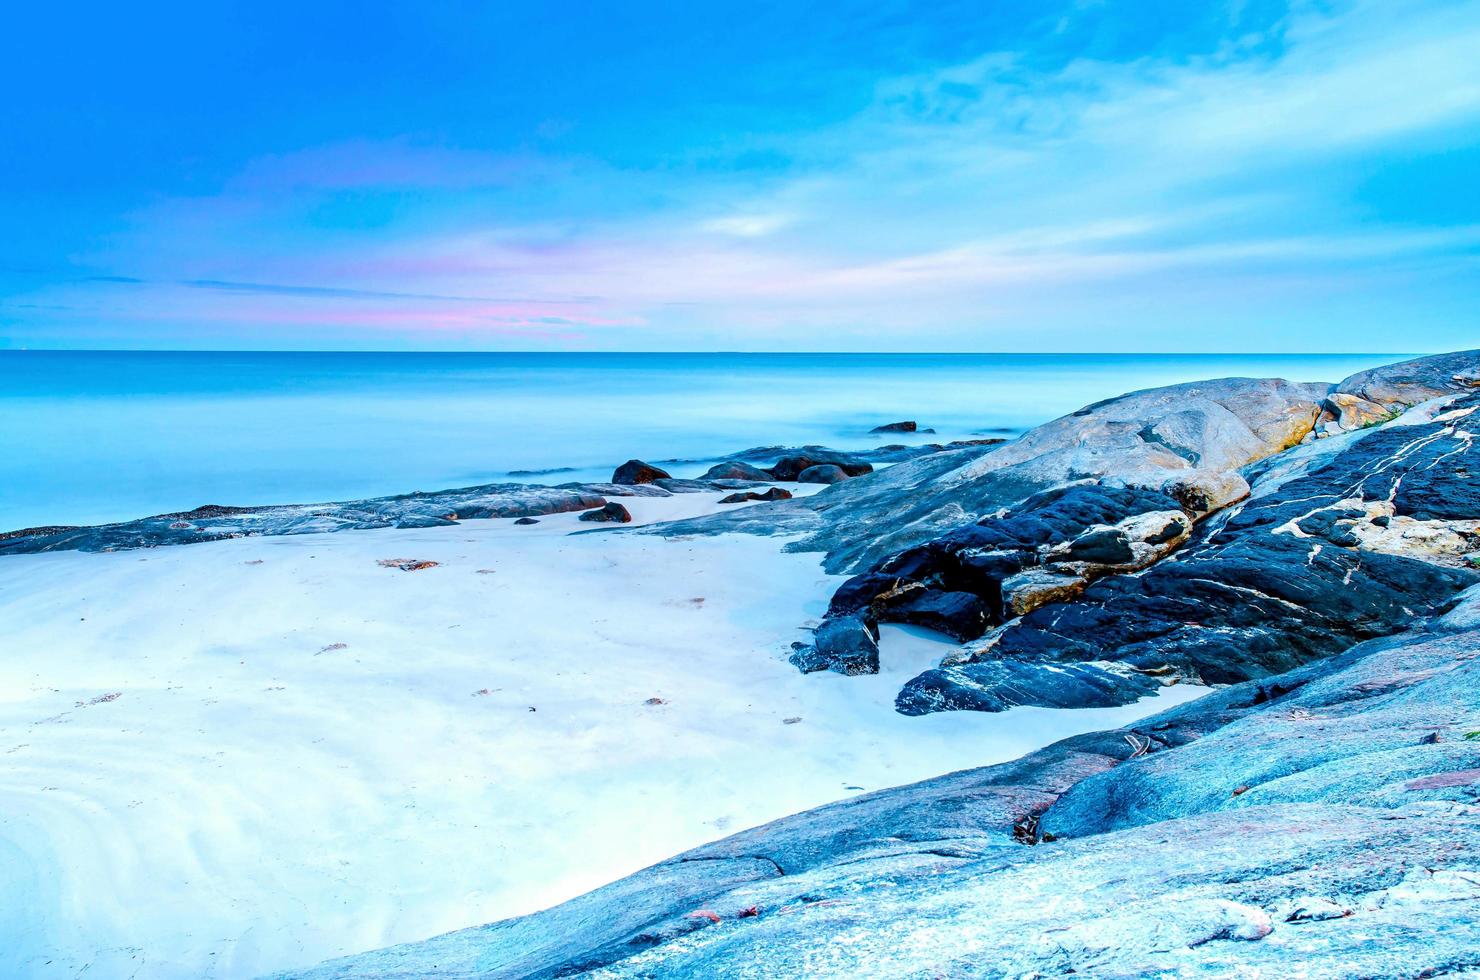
958	206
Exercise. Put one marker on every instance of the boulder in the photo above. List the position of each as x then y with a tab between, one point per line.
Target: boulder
895	427
790	467
847	645
822	473
526	521
635	472
611	513
736	470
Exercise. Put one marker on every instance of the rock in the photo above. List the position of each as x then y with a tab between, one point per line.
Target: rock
1381	394
895	427
959	615
526	521
736	470
822	473
1027	590
789	468
215	523
775	493
847	645
635	472
407	564
613	512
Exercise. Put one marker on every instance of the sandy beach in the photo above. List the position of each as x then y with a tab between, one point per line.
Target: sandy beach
252	755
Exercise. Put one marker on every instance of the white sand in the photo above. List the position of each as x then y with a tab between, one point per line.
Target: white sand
257	798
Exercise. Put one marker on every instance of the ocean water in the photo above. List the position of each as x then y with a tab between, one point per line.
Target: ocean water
91	437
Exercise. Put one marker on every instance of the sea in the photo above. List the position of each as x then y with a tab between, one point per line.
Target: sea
95	437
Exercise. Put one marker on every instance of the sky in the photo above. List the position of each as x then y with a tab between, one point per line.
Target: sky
1061	175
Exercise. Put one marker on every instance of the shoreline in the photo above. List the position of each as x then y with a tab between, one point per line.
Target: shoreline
195	759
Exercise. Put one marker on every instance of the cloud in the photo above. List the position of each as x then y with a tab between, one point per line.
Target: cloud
958	204
755	225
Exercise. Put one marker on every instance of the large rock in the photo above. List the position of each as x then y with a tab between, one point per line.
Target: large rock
1381	394
789	468
825	473
1375	533
635	472
907	426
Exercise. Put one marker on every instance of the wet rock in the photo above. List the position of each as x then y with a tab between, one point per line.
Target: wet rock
788	468
526	521
847	645
895	427
775	493
822	473
959	615
635	472
736	470
613	512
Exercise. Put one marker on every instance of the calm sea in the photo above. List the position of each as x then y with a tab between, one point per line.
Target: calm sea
95	437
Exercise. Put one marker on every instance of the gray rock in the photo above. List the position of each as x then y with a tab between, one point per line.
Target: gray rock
823	473
736	470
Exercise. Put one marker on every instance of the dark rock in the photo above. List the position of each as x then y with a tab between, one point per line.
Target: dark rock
790	467
1247	597
525	521
847	645
612	512
895	427
957	614
736	470
635	472
822	473
775	493
1106	546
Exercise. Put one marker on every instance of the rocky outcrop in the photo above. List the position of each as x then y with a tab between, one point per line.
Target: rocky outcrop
1381	394
635	472
1352	538
1319	824
908	426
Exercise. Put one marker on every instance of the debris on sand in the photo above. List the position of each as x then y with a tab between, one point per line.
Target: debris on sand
407	564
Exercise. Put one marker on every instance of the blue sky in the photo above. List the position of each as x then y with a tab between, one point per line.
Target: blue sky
796	176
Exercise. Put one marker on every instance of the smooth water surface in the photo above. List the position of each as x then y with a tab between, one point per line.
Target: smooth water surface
89	437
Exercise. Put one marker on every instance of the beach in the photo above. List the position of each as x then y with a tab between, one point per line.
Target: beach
255	754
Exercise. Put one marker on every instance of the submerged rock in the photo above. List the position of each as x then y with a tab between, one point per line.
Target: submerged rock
895	427
525	521
613	512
